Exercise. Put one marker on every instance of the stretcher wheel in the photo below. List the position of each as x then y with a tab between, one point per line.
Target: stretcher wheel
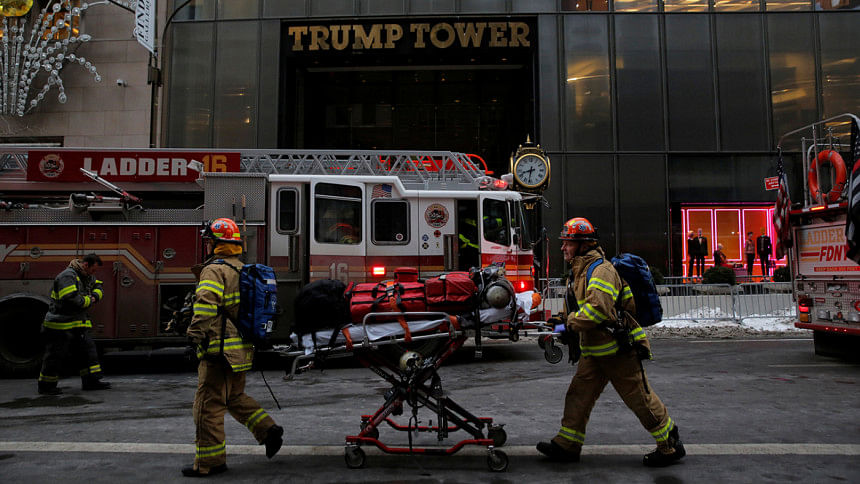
497	461
553	354
355	457
498	434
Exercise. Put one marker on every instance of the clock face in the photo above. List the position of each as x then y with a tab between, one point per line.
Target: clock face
531	170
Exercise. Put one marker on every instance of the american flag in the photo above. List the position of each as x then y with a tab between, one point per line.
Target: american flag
852	222
382	190
780	213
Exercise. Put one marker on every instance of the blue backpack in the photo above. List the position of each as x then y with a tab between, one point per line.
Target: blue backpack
258	302
634	270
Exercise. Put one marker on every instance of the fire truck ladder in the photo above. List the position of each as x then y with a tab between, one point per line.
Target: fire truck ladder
421	170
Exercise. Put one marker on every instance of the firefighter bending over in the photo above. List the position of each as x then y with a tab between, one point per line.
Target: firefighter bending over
66	327
224	356
612	351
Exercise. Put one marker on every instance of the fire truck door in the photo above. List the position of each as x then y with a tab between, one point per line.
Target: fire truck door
136	298
103	240
495	228
468	238
338	232
288	243
393	235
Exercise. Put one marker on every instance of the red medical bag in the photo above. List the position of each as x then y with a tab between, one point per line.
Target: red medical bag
453	292
385	297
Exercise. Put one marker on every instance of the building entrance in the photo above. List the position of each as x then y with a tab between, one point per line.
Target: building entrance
483	110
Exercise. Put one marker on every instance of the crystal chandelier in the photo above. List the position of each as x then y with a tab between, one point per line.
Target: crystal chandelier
33	51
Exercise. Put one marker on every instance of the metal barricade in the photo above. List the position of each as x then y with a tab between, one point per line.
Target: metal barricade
706	302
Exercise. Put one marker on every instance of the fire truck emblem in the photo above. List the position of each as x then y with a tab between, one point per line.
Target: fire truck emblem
436	215
51	166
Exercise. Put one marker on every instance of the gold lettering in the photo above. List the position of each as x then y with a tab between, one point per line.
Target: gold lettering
340	36
420	30
393	33
470	33
319	37
497	32
434	35
363	40
519	34
297	33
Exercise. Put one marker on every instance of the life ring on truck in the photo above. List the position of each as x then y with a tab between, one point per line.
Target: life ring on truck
835	160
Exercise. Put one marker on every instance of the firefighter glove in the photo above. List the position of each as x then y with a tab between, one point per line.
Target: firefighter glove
190	354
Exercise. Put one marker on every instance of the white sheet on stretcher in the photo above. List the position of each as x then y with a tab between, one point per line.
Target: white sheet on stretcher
375	332
378	331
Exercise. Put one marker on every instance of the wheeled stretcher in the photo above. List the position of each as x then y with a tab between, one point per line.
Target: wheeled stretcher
414	380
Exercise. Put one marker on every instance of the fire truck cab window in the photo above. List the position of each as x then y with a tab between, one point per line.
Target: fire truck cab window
337	210
496	222
390	222
287	203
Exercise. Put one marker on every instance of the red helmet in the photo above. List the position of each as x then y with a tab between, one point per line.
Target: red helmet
578	228
223	230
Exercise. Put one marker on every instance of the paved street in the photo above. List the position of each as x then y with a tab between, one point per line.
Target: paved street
751	410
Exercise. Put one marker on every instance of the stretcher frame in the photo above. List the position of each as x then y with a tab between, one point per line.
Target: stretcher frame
417	385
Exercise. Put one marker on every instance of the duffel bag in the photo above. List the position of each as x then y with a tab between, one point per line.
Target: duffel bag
385	297
453	292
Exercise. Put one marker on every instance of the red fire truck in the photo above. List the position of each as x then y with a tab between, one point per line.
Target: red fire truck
826	282
349	215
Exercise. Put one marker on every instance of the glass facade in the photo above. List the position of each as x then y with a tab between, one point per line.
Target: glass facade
646	107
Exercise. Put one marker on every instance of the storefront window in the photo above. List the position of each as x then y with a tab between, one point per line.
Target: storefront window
639	83
635	5
584	5
192	63
236	85
685	5
729	233
737	5
792	72
238	9
840	63
788	5
588	108
195	10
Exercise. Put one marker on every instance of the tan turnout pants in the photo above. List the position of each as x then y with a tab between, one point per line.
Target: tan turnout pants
592	375
215	381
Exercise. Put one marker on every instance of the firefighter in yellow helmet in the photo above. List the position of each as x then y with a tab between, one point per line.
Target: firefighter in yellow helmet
224	356
612	344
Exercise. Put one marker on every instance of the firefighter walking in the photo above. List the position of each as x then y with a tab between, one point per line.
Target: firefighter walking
66	326
224	356
593	314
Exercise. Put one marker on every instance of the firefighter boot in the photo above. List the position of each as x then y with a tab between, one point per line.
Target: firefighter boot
93	383
273	440
49	389
659	457
190	471
556	453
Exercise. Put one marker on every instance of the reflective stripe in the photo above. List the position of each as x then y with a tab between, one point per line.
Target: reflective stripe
229	343
600	350
663	434
591	313
203	308
602	285
87	301
230	299
637	334
67	324
255	419
626	293
211	286
67	290
572	435
467	242
212	451
48	378
98	292
241	366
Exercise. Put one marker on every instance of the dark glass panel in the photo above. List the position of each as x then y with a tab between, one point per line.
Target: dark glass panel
639	83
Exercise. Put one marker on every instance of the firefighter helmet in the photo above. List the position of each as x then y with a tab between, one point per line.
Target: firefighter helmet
223	230
578	228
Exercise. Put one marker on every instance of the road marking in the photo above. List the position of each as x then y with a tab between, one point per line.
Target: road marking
514	450
757	340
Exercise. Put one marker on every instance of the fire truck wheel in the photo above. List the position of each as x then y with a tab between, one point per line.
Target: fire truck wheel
21	318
